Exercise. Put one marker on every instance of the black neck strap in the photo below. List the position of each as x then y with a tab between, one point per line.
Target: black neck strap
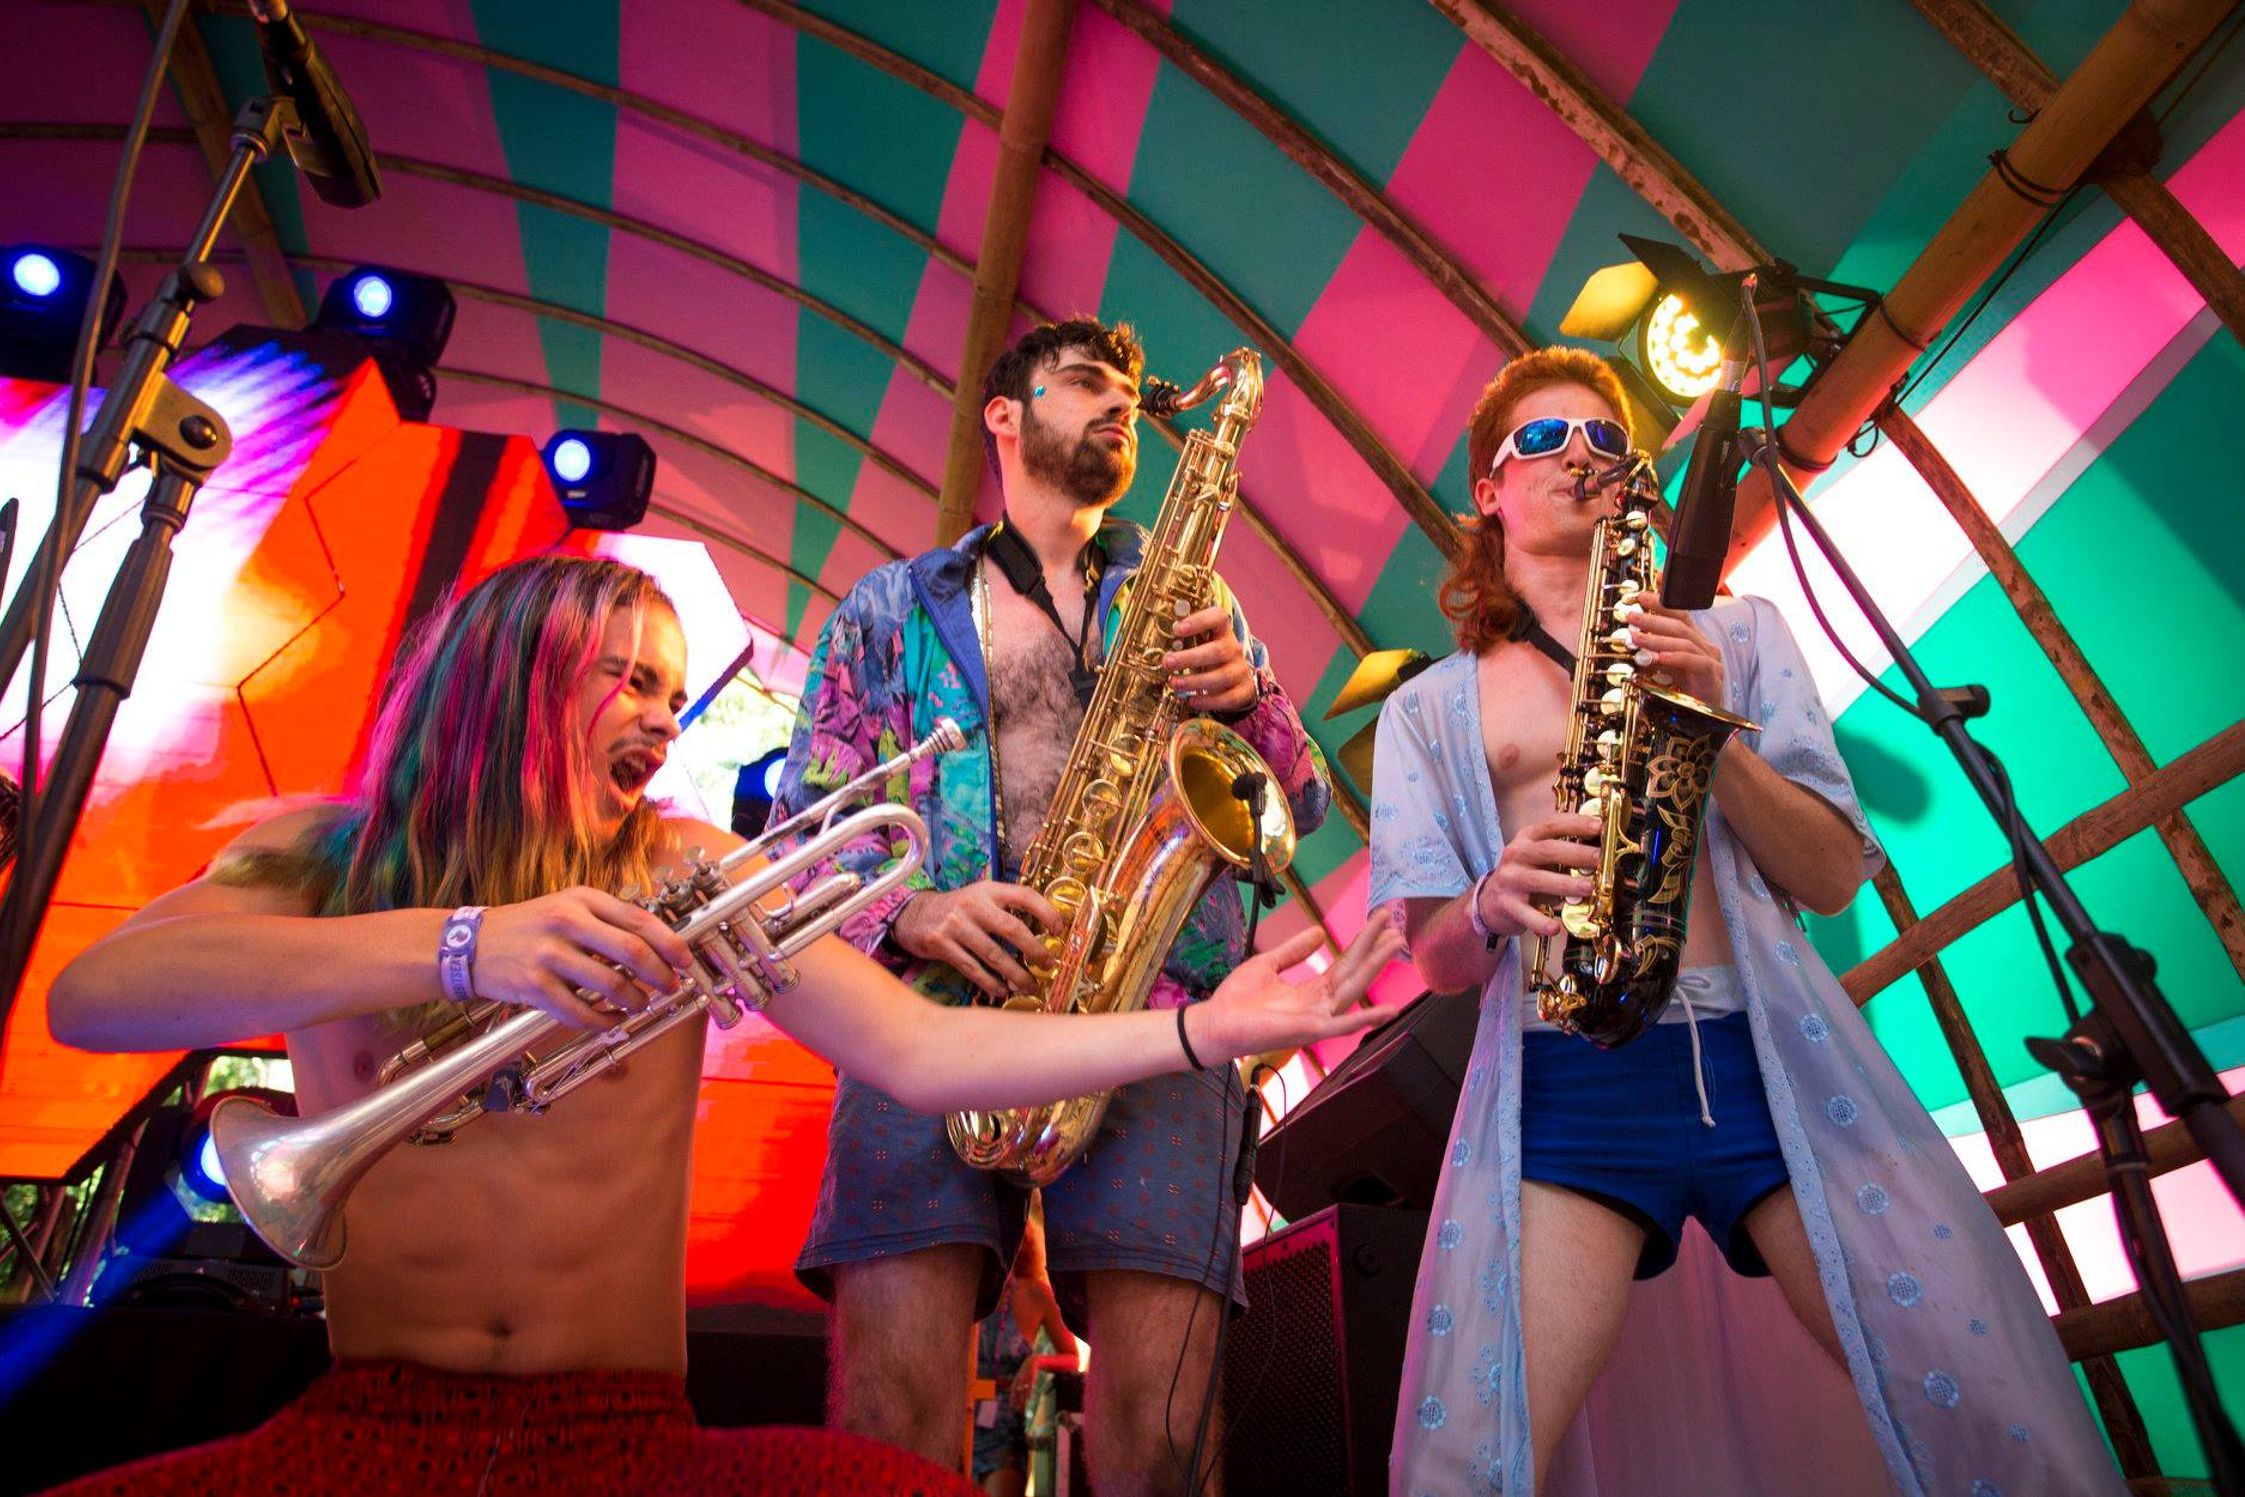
1027	577
1529	630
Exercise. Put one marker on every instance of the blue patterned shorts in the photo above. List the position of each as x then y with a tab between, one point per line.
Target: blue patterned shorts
1153	1193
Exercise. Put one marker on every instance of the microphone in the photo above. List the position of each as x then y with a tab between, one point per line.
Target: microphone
1702	534
331	147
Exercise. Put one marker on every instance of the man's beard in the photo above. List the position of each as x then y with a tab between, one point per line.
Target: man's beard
1089	472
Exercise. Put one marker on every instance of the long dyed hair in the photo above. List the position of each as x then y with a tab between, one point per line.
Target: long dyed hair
480	781
1476	597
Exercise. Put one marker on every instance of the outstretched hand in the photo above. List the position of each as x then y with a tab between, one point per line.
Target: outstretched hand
1257	1010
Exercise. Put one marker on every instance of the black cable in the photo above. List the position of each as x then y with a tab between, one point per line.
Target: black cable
47	574
2013	824
1782	499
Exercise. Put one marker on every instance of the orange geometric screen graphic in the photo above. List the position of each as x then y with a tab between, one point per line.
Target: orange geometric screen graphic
332	525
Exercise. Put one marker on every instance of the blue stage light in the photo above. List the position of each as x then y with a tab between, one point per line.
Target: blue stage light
36	274
208	1164
373	296
772	769
43	295
602	478
571	459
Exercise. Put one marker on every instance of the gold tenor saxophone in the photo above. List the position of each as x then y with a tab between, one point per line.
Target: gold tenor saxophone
1148	811
290	1176
1639	759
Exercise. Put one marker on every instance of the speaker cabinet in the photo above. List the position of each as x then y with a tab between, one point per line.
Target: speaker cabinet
1312	1370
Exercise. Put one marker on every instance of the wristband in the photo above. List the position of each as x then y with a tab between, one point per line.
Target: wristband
1185	1044
456	953
1490	940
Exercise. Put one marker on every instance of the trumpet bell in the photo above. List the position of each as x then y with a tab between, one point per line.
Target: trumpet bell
285	1184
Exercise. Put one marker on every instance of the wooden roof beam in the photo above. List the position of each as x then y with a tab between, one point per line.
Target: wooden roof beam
2097	830
1603	125
195	78
1457	284
2121	74
1038	60
1997	51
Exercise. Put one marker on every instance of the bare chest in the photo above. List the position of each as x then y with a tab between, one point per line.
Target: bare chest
1525	700
1034	710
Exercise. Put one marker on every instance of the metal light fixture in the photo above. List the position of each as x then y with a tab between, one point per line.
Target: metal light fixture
1672	315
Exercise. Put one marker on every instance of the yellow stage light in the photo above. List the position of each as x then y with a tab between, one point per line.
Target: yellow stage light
1682	357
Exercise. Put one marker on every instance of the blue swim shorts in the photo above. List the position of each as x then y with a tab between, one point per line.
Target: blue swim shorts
1623	1127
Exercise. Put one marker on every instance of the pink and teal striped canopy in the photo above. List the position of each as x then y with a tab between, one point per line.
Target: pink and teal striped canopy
746	229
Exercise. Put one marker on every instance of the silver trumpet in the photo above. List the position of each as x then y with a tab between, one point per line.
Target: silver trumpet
291	1176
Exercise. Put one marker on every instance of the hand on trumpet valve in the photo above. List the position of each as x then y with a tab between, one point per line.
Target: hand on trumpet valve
542	952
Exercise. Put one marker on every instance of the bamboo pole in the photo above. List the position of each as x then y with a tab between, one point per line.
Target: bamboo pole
2115	1325
1038	59
1997	51
2116	1404
2209	886
1392	471
2168	1147
2118	77
2177	783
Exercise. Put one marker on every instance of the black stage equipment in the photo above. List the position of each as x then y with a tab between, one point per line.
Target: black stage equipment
1373	1132
145	417
1312	1370
603	477
43	293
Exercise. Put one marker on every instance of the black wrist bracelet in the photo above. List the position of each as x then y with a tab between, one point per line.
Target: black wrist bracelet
1185	1044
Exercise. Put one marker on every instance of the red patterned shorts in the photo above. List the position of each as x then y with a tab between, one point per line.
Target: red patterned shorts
377	1428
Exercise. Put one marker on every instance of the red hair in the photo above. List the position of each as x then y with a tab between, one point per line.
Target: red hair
1477	600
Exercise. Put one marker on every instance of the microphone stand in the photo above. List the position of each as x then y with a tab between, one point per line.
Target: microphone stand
2130	1034
144	414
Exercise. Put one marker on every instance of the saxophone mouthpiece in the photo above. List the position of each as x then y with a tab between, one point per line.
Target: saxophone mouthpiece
1158	397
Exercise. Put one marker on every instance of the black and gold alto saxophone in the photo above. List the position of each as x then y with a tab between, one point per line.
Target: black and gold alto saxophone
1639	759
1147	813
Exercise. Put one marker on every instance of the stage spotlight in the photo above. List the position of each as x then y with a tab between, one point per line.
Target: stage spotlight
1682	357
405	321
372	296
42	299
1673	316
36	274
603	477
753	791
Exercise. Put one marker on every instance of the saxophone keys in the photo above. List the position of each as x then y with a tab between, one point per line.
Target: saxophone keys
1613	702
1621	673
1581	920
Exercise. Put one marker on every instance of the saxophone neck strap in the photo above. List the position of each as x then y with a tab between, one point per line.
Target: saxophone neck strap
1529	631
1026	575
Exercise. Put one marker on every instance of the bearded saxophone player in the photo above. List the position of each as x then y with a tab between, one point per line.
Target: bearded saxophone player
1007	631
